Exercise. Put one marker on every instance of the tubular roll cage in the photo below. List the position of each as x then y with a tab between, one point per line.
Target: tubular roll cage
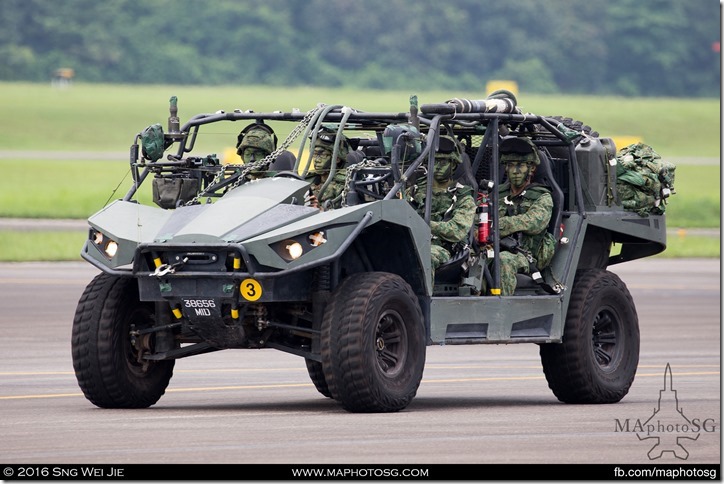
443	116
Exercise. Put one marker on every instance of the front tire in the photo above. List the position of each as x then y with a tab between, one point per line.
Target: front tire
107	358
373	343
598	358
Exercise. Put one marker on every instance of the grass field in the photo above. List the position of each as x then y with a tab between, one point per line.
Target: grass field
105	118
76	189
99	117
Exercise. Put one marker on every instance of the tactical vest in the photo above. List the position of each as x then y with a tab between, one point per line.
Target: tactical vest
531	193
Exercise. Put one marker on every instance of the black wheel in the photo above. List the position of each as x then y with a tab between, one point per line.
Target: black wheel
107	357
373	343
576	126
316	373
598	358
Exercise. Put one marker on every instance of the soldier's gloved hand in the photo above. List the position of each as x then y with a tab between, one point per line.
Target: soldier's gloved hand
508	244
311	201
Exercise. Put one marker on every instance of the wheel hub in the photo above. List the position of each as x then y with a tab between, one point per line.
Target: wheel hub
380	343
391	343
605	340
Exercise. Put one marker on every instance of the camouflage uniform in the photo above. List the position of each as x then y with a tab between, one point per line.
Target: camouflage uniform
451	218
527	217
333	190
322	163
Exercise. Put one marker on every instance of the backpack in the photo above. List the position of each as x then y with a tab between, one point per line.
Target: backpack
643	180
152	142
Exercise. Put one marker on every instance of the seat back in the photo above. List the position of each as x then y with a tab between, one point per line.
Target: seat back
464	173
283	162
353	157
544	176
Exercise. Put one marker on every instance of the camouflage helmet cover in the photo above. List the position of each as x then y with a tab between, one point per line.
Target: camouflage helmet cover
326	138
519	149
256	135
449	150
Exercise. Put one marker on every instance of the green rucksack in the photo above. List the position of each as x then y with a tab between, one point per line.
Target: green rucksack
643	180
152	142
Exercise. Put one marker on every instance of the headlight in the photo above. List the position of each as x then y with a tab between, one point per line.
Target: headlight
294	249
105	244
317	238
111	248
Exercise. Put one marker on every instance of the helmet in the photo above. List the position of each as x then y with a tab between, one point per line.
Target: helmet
519	149
257	135
449	149
326	137
412	146
447	159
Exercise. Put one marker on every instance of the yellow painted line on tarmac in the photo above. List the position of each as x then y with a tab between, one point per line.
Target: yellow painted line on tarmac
489	378
238	387
261	370
678	373
258	370
300	385
33	397
681	366
35	373
242	370
48	282
675	287
538	367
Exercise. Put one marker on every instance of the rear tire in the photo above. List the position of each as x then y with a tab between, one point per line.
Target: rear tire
598	358
373	343
107	360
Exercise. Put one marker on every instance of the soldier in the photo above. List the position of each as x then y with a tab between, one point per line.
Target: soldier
524	211
322	162
255	142
453	207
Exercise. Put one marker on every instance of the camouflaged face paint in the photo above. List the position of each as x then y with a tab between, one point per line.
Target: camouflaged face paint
518	173
322	159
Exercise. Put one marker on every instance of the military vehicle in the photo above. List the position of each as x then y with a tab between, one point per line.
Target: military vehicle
229	256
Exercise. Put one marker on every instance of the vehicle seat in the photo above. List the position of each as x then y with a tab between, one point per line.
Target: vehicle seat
283	162
544	176
354	157
451	271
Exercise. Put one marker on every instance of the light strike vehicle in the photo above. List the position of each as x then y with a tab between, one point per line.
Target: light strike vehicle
230	257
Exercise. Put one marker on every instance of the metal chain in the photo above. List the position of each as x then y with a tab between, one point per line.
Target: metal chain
264	162
351	172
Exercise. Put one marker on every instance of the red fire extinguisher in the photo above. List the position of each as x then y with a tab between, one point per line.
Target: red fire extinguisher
484	219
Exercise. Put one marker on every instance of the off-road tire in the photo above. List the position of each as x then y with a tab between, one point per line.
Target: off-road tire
598	358
373	343
316	374
104	357
576	125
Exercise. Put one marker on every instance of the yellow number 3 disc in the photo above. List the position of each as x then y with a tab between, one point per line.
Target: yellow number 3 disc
250	289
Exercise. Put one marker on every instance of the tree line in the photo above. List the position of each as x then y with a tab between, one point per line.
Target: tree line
620	47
